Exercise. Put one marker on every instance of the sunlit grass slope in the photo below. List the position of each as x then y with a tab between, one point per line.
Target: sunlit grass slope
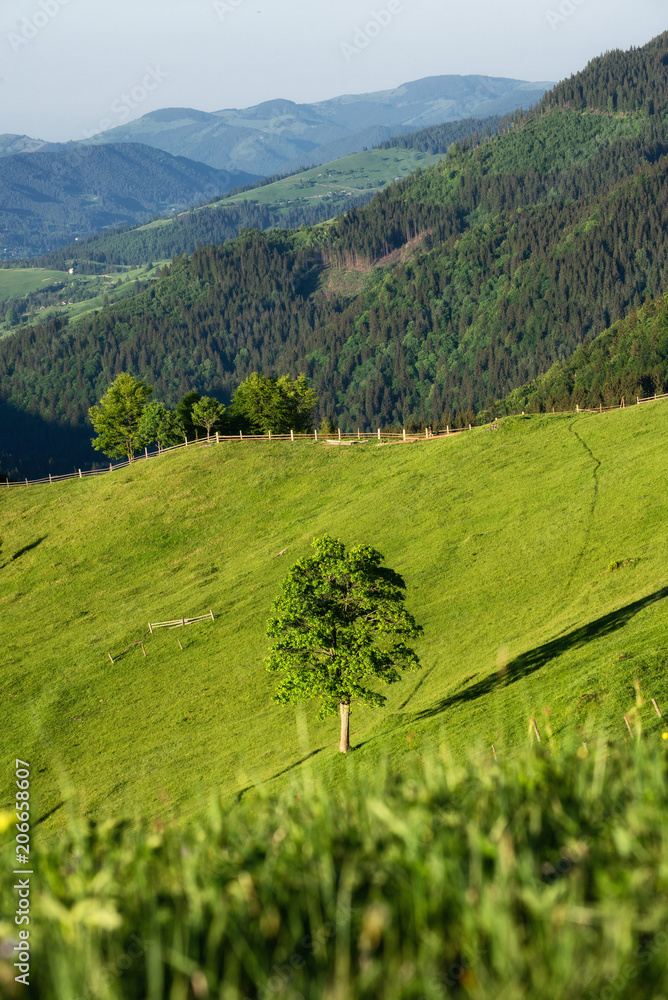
505	539
22	281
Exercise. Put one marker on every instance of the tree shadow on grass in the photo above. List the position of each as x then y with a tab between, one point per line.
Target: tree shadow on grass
527	663
26	548
240	794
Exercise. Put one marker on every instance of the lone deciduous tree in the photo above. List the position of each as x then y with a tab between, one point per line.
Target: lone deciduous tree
207	413
339	623
117	418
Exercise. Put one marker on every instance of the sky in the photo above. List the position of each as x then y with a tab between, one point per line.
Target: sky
71	67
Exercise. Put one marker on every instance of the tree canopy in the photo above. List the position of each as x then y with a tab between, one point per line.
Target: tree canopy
278	405
339	624
207	413
161	425
118	417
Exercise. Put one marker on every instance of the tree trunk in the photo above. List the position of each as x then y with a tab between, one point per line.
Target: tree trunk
344	745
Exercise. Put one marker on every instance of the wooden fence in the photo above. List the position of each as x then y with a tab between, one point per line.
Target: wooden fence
176	623
382	437
203	442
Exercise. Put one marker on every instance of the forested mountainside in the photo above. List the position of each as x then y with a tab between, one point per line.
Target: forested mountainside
172	237
224	220
439	138
619	81
503	260
49	198
628	360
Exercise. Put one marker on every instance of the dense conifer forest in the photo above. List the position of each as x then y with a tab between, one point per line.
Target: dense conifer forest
445	293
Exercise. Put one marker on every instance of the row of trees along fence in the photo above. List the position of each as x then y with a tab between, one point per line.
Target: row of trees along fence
316	436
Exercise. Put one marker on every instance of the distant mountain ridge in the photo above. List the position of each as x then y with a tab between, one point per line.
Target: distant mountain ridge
49	198
279	136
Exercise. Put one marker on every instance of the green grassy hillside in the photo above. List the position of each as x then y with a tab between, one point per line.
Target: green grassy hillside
15	282
66	296
358	174
505	537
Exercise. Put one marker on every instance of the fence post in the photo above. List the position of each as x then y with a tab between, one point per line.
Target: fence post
447	431
600	407
217	437
470	428
270	435
638	400
50	480
292	436
339	433
110	468
577	408
316	436
241	436
212	618
358	433
145	452
379	433
404	433
26	482
186	440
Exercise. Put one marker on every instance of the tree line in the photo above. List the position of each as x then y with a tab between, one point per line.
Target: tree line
127	419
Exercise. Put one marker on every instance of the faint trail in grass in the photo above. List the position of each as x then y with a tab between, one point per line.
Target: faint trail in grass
597	466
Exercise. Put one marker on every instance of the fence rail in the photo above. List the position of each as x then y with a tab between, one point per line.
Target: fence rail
176	623
341	438
180	622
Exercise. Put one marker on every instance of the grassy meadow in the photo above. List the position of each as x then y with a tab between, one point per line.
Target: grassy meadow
97	288
191	839
505	539
18	281
359	173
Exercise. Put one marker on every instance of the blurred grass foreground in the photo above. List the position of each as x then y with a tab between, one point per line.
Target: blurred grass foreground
541	876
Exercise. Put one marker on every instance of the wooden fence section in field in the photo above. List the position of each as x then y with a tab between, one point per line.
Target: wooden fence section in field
176	623
180	622
379	437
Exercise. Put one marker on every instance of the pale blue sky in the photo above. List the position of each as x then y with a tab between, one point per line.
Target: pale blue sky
66	65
